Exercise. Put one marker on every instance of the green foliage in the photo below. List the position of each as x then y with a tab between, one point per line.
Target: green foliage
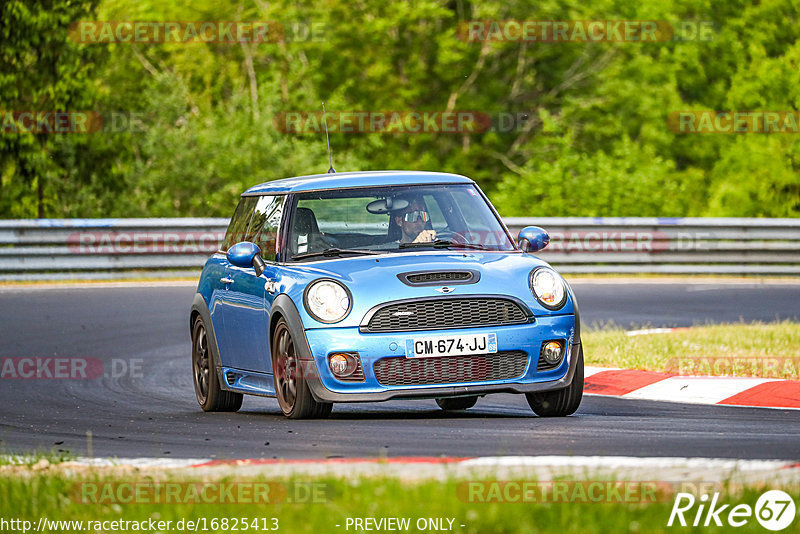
41	70
594	141
755	175
561	502
632	181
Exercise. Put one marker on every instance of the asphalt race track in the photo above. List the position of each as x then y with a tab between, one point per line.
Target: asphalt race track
147	407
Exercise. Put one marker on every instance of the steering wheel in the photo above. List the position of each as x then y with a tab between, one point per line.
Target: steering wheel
449	235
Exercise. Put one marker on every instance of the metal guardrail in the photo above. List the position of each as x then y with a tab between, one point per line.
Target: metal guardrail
110	248
53	249
670	245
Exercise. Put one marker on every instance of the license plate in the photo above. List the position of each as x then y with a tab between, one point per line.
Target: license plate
427	347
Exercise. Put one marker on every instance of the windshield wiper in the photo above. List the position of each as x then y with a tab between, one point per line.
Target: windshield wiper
333	252
444	243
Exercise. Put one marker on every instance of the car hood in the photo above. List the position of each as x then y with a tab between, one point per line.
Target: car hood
374	280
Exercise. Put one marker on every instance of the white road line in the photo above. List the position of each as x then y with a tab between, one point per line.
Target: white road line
612	462
615	462
648	331
167	463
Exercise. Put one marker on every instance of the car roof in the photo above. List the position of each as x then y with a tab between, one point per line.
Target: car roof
340	180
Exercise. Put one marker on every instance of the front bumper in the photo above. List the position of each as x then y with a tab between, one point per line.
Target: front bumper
373	347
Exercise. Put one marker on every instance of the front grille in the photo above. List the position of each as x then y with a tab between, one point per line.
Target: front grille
502	365
442	313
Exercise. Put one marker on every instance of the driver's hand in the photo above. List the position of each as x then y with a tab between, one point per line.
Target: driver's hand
425	236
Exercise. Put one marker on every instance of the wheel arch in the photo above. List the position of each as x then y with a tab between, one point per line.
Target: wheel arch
199	308
283	307
273	323
193	315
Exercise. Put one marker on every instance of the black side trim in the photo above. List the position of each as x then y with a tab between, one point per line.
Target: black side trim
577	314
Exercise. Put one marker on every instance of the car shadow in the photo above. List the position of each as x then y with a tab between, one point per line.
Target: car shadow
346	414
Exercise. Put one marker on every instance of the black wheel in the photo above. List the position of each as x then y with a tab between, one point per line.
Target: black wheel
561	402
291	388
206	383
456	403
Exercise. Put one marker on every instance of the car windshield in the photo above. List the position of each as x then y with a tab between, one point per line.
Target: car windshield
378	220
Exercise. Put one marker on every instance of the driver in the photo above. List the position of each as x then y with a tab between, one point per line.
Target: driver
412	221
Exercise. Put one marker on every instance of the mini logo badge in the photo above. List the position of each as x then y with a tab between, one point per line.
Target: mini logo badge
445	289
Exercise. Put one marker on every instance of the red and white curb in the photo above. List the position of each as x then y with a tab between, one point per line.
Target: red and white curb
448	468
649	385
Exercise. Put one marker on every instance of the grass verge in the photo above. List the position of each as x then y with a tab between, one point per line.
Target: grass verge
769	350
325	504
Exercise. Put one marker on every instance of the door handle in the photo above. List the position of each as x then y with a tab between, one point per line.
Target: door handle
226	280
269	285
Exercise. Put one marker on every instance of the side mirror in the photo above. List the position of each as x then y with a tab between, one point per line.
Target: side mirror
246	254
532	239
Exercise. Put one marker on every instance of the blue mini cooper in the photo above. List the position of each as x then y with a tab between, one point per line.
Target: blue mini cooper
369	286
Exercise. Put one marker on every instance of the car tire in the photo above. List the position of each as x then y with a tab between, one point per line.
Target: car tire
450	404
210	396
291	388
561	402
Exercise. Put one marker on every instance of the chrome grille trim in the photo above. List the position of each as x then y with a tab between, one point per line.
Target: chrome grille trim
436	278
358	373
542	365
445	313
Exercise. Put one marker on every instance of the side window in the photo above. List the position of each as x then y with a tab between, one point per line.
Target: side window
345	215
264	225
237	229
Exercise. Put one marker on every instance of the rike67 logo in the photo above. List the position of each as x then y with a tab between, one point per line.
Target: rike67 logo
774	510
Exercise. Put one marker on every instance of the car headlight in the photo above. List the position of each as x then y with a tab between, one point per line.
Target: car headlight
327	301
548	288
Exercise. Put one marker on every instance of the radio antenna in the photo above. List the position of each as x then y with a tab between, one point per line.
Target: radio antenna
331	170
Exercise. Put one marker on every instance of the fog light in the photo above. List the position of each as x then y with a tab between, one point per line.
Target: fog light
552	351
342	364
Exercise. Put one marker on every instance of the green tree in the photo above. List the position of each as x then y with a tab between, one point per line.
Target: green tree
41	69
591	136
